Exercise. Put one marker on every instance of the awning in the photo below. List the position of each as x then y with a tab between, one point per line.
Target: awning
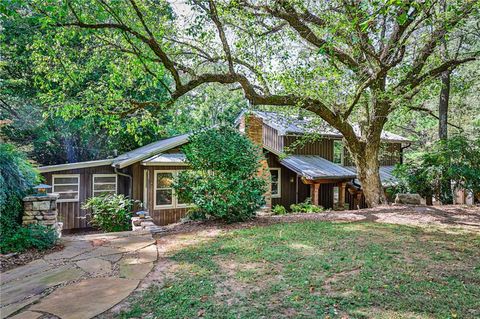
316	167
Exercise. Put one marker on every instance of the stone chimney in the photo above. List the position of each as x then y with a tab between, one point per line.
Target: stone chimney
252	126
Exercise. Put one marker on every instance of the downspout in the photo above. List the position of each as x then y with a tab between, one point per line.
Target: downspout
129	180
401	151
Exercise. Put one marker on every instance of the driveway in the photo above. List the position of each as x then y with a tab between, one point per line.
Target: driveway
89	276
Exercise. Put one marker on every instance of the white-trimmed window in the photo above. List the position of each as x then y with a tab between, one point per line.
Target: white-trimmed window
276	177
67	186
164	194
104	184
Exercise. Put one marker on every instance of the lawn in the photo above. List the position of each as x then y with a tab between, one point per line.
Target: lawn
321	270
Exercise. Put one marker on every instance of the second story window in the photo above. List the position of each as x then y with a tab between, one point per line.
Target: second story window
338	152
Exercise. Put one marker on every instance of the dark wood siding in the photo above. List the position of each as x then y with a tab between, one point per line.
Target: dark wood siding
70	213
271	139
160	216
390	154
322	147
288	183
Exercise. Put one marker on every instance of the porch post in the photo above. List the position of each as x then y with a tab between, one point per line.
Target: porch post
358	196
314	189
341	195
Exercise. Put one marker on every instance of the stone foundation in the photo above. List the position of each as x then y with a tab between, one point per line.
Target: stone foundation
41	210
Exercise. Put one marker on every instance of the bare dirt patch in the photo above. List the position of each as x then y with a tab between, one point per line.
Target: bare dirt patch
451	217
11	261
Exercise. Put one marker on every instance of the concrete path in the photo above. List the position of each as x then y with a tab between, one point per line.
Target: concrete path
90	275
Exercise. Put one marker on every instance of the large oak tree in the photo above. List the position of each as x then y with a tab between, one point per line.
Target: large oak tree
350	62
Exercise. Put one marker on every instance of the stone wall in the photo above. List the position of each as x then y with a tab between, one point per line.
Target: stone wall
254	131
40	210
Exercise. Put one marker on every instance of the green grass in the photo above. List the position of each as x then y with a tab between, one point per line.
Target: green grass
321	270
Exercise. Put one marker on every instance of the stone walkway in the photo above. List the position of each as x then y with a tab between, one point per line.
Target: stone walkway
89	276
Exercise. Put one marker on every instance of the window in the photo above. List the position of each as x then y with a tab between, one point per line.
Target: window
104	184
338	152
67	186
165	196
275	174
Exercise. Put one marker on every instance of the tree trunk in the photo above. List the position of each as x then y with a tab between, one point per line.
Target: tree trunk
443	106
368	172
446	186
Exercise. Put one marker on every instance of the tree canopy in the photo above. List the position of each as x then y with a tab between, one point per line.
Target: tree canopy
355	64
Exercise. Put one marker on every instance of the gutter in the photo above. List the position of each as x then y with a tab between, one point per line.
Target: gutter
130	180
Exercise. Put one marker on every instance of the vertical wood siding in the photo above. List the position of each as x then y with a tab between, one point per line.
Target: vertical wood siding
70	213
288	187
390	154
271	139
160	216
322	147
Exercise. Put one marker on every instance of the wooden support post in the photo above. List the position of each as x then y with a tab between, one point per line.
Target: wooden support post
314	190
341	195
358	200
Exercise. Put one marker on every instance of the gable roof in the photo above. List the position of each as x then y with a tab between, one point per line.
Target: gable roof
67	166
126	159
316	167
166	159
289	124
149	150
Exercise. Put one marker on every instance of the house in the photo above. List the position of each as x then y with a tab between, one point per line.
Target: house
300	168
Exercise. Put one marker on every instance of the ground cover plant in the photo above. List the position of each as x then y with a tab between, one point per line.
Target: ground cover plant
321	270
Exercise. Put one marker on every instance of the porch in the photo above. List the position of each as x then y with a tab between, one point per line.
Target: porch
316	171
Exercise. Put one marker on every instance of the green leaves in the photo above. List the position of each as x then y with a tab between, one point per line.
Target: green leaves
223	181
456	161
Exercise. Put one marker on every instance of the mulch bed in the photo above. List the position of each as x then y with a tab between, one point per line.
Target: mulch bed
10	261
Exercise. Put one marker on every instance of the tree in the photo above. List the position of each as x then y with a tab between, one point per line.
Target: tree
456	160
17	177
348	62
224	181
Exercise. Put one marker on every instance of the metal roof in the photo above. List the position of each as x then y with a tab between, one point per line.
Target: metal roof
63	167
166	159
289	124
316	167
386	176
149	150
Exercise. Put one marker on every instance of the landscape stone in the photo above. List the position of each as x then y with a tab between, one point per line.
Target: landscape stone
409	199
128	244
44	205
98	252
86	298
112	258
27	315
21	272
135	271
8	310
148	254
18	290
95	266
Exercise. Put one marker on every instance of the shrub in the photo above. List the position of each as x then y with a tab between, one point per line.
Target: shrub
223	182
306	207
34	236
279	210
449	164
110	213
17	176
